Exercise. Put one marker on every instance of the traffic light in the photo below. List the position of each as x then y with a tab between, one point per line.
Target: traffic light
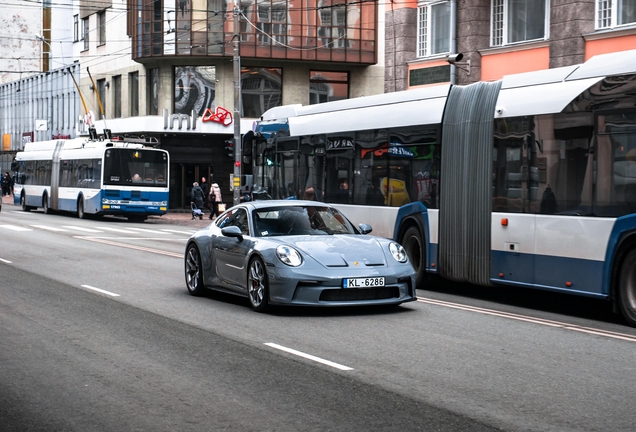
229	149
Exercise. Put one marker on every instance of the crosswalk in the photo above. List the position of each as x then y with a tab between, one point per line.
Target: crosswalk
97	230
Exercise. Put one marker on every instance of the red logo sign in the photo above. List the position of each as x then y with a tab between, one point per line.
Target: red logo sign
221	115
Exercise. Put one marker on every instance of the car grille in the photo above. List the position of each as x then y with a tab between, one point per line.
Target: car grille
353	294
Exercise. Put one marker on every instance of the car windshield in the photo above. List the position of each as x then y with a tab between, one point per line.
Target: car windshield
300	220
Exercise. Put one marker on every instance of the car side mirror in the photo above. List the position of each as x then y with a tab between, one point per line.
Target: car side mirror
365	228
232	231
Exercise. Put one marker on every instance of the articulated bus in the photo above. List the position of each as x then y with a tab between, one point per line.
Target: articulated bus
529	181
91	176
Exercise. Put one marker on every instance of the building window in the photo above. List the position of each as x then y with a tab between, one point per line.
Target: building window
152	80
101	91
615	13
261	89
133	86
515	21
433	28
101	28
194	88
117	96
272	22
332	28
75	28
85	32
328	86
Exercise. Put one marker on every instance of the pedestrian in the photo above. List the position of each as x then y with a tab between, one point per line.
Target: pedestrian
215	199
197	195
6	184
205	186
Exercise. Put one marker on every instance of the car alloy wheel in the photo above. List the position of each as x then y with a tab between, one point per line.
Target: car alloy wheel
193	275
257	285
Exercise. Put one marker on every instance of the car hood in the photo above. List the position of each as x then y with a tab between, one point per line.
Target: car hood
341	250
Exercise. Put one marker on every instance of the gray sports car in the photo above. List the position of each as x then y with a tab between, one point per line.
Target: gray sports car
303	253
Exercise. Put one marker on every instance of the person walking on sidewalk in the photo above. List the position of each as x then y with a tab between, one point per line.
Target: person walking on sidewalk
197	195
215	199
205	187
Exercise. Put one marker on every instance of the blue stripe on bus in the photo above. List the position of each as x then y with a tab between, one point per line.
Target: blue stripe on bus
549	273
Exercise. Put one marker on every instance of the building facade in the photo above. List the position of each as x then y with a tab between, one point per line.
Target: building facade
499	37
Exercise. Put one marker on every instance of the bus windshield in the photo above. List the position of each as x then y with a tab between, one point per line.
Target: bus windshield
124	166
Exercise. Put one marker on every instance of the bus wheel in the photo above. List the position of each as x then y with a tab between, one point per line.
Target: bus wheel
136	219
23	203
45	204
414	247
80	208
627	288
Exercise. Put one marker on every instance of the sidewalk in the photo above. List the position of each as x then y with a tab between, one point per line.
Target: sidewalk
183	218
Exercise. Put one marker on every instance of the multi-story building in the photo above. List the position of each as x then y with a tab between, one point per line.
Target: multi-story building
499	37
166	69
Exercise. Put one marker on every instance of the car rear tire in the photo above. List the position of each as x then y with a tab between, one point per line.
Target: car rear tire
257	285
627	288
193	272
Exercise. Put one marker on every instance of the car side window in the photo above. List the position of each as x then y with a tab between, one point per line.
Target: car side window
236	218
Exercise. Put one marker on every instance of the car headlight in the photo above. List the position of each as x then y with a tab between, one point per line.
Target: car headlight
398	252
289	256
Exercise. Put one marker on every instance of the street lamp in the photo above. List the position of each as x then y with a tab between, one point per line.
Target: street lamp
49	58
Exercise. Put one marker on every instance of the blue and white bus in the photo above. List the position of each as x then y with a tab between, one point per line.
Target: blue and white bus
93	177
529	181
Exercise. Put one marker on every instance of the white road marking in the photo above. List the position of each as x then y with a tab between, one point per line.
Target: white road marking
309	356
15	228
100	290
6	261
24	213
540	321
149	231
124	245
119	230
82	229
50	228
179	232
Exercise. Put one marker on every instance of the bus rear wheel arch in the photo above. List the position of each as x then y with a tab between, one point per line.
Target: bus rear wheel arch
626	294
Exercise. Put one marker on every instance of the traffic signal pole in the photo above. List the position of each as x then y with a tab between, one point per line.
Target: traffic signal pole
237	106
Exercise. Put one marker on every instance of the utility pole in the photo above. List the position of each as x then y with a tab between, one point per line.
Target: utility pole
237	105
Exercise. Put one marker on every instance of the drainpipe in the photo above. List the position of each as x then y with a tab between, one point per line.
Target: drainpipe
453	40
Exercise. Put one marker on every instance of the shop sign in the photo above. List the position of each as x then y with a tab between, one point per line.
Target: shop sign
220	115
190	121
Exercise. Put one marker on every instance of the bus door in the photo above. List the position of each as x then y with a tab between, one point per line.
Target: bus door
311	168
286	182
340	154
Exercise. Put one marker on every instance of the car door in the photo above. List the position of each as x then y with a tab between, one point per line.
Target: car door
231	252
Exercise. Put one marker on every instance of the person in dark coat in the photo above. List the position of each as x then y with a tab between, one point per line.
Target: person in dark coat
205	187
197	195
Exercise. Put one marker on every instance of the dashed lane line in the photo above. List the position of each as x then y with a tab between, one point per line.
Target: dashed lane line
308	356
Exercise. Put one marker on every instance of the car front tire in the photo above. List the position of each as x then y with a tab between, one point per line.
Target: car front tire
193	272
257	285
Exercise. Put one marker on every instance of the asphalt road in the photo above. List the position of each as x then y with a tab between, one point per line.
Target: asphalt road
141	354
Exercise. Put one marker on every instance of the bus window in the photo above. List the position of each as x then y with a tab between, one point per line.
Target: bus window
616	161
